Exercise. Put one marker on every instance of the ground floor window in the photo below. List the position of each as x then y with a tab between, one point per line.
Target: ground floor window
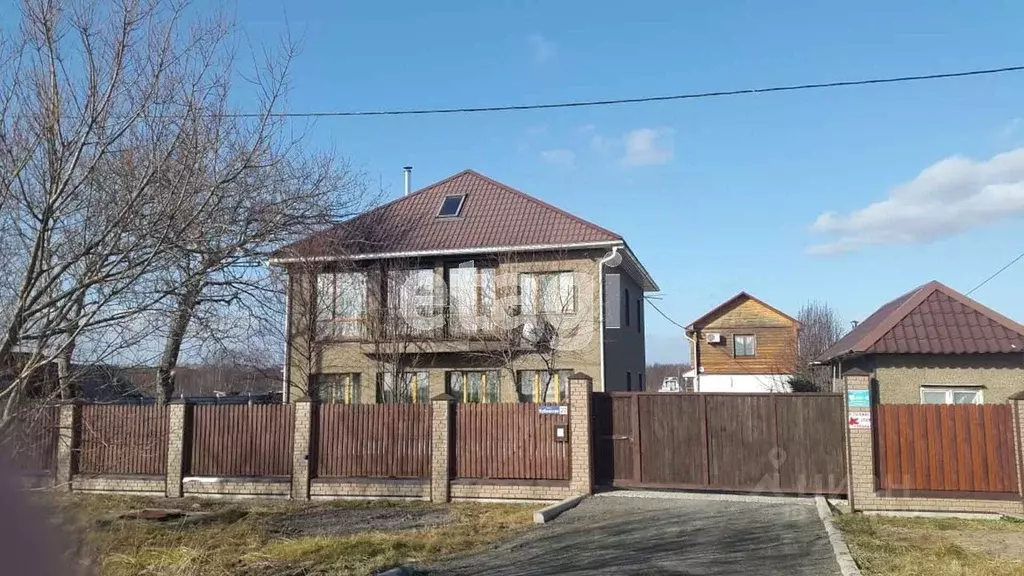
403	387
543	386
475	385
951	395
336	388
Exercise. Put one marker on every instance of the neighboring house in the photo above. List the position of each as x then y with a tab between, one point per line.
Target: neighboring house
742	345
469	287
933	345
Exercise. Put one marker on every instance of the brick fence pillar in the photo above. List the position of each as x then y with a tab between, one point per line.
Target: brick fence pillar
860	471
581	475
1017	406
65	465
440	447
302	447
177	439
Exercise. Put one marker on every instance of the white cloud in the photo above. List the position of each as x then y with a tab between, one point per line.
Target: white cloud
949	197
544	50
649	146
559	157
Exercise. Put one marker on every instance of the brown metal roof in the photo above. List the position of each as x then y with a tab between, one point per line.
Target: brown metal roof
931	319
493	215
699	322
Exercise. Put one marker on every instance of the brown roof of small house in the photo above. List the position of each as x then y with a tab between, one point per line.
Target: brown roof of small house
714	311
931	319
492	215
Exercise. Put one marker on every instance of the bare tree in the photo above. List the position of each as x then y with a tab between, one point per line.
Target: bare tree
98	104
821	327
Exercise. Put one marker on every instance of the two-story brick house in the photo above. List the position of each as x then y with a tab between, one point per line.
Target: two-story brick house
469	287
742	345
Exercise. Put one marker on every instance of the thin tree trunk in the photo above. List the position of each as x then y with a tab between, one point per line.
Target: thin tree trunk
175	337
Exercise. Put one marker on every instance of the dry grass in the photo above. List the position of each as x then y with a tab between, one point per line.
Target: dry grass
930	546
234	538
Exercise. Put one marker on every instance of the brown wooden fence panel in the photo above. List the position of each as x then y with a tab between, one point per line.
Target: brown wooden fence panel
812	443
33	440
672	439
118	439
946	448
509	441
373	441
744	442
247	440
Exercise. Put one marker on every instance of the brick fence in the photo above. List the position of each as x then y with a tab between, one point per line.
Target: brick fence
330	451
922	463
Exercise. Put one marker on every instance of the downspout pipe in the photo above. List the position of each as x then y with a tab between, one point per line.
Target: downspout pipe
614	255
693	360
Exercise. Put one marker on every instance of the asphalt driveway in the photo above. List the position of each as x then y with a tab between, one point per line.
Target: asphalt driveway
628	535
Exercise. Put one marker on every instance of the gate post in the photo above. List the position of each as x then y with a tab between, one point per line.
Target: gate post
302	448
860	446
581	473
1017	410
440	447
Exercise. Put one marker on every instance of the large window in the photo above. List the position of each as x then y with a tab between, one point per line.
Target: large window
470	298
336	388
403	388
341	304
411	299
951	395
547	293
475	386
542	386
744	345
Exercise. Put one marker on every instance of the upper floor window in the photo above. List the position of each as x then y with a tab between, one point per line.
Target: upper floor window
475	386
403	387
451	206
744	345
336	388
411	297
949	395
625	304
340	304
470	298
640	315
547	293
543	386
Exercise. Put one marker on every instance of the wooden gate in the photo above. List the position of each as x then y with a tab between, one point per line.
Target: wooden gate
786	443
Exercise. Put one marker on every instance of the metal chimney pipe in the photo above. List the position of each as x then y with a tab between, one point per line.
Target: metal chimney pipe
408	178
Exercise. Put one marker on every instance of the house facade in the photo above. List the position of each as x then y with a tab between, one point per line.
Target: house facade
742	345
934	345
467	287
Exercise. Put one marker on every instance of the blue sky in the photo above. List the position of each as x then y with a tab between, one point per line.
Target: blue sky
715	196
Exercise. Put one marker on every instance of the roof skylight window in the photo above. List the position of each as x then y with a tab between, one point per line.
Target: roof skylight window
451	207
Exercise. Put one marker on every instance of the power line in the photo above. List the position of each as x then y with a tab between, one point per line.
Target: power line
997	273
636	100
663	315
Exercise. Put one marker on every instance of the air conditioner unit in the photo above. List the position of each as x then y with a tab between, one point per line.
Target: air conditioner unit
713	337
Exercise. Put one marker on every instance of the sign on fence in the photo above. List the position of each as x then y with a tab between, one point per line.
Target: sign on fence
858	398
860	420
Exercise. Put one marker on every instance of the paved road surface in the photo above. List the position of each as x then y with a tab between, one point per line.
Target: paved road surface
615	535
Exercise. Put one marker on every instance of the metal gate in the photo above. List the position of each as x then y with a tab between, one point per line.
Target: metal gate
776	443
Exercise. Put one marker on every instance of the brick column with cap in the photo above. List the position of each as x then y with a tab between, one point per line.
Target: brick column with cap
860	463
1017	405
302	447
581	478
65	465
177	438
442	408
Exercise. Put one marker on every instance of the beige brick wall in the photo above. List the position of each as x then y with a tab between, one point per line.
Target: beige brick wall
239	487
384	488
351	357
900	377
440	446
475	491
176	415
65	447
862	479
130	484
581	466
301	448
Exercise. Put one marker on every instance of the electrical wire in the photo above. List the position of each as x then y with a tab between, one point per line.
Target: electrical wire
997	273
636	100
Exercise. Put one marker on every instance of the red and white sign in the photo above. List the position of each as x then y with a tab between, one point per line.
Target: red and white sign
860	420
